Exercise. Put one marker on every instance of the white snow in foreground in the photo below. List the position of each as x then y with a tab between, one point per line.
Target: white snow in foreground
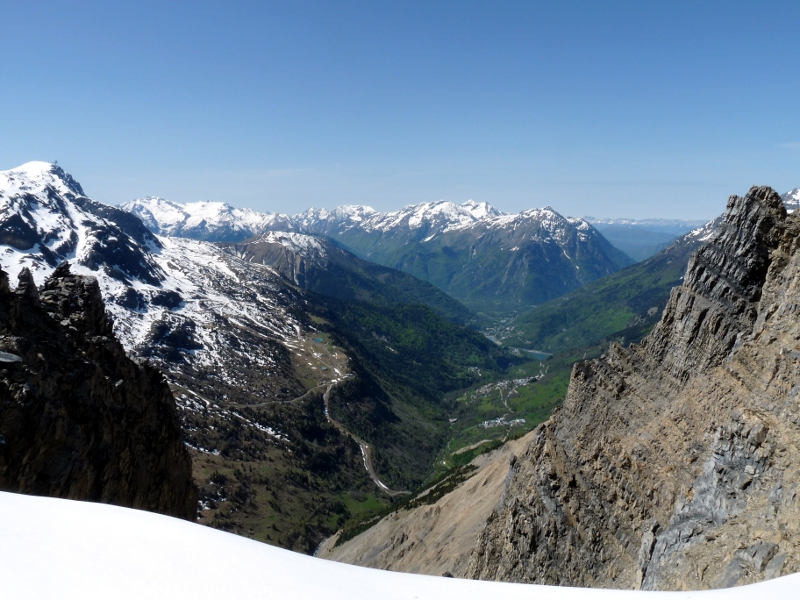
52	548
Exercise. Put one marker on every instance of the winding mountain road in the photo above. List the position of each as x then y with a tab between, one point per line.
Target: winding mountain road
366	450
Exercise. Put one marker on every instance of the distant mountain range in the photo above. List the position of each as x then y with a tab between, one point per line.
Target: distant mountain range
482	257
675	226
791	199
640	239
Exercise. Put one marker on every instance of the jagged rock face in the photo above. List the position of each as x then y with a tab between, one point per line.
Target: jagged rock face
674	464
78	418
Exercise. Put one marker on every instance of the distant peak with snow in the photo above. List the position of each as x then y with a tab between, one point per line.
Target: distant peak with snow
480	210
791	199
297	243
204	220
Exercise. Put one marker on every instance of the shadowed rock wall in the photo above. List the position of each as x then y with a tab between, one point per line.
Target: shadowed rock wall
78	418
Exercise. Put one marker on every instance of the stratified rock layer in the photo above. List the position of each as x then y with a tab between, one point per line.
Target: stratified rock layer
78	418
674	464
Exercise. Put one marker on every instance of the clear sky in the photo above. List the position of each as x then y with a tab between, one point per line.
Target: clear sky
636	109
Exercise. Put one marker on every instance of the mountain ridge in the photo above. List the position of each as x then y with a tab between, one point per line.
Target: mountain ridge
474	252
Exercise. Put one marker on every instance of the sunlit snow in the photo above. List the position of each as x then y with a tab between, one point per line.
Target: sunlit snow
53	548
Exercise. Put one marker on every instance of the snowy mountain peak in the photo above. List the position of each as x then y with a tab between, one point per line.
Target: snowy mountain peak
480	210
297	243
210	221
157	213
791	199
45	219
34	176
437	217
168	296
356	212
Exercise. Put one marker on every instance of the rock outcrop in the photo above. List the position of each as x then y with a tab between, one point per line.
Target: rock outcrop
674	464
78	418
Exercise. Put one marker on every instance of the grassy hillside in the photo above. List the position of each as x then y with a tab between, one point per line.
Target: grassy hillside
343	275
623	306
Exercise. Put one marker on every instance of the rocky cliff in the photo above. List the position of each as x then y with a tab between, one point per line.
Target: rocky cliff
674	464
78	418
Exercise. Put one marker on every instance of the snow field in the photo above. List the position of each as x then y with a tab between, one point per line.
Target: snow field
54	548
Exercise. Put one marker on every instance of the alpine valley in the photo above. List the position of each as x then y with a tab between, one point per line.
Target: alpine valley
283	393
312	386
442	389
672	463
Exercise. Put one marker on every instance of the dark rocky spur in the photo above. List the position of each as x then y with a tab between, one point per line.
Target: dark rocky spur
78	418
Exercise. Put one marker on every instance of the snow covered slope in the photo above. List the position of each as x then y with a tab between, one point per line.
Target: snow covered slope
187	305
52	548
209	221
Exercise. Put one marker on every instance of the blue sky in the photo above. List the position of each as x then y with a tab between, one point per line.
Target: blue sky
638	109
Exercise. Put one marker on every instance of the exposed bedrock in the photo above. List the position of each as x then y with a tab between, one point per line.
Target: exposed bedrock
78	418
674	464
